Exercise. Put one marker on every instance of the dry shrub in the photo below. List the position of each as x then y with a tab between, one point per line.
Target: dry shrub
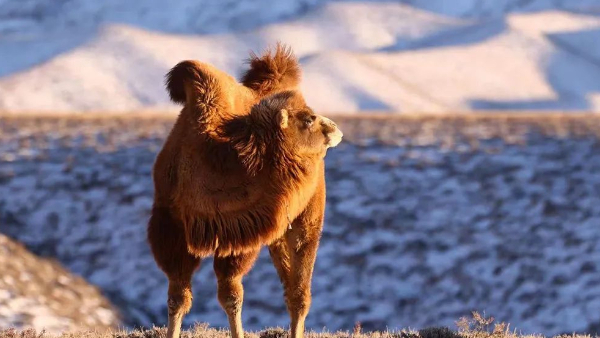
481	327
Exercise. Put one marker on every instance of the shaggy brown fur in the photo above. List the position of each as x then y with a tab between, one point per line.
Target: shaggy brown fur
242	162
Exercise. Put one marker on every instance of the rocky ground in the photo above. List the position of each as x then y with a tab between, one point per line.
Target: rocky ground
428	218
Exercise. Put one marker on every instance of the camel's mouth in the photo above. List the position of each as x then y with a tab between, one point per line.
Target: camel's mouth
334	138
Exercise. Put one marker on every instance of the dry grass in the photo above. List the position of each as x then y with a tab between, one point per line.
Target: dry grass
476	327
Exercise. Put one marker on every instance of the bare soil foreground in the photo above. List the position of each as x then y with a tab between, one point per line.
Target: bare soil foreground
429	217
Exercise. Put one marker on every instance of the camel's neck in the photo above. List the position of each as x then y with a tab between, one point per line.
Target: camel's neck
261	150
288	166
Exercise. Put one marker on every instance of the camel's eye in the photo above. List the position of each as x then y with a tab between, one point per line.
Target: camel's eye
309	120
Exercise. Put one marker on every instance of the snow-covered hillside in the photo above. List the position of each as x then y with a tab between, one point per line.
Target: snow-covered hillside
442	218
412	55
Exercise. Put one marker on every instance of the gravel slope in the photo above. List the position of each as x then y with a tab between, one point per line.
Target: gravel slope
38	293
427	219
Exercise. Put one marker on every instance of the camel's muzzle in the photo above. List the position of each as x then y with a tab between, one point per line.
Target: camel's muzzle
333	133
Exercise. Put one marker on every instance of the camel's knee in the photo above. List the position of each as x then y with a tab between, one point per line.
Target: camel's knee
231	295
180	300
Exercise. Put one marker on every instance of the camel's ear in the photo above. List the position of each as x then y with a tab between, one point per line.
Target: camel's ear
282	118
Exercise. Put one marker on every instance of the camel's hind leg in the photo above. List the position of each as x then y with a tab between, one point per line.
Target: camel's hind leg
168	245
230	291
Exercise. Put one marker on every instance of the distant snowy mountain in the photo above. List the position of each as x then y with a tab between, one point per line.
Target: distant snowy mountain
411	55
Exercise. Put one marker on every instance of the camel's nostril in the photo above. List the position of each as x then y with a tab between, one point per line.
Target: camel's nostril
328	128
328	125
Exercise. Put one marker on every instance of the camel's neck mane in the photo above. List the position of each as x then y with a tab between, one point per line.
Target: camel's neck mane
260	146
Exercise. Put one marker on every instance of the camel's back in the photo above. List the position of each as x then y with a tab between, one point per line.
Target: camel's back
234	98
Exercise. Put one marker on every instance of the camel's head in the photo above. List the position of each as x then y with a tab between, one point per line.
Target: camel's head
279	121
302	131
